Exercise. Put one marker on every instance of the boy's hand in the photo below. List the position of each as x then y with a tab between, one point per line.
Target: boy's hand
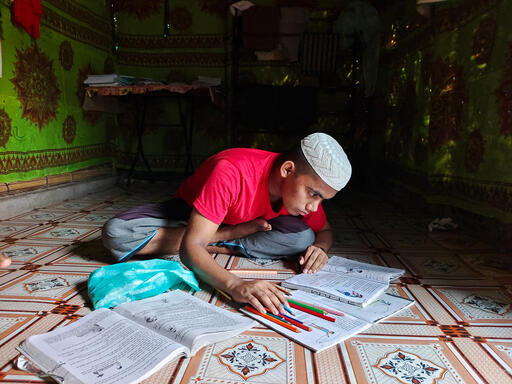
260	294
313	260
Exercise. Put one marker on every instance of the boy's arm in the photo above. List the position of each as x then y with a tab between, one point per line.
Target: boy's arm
194	255
315	256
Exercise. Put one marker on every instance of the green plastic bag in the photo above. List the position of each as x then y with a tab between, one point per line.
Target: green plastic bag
120	283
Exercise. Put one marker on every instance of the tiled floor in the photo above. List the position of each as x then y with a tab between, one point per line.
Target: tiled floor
440	340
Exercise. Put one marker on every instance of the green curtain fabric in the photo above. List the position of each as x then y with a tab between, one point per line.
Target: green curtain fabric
448	123
43	129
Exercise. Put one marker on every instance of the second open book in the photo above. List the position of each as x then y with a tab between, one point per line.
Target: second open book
346	280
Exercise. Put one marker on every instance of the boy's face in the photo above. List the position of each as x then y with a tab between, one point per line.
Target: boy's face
303	193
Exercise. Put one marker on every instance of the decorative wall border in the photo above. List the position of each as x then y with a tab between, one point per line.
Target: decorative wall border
131	41
200	59
159	163
496	194
14	161
53	20
96	21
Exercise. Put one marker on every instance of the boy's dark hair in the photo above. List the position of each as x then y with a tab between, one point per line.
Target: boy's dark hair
297	156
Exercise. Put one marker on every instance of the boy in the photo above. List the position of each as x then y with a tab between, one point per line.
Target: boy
242	201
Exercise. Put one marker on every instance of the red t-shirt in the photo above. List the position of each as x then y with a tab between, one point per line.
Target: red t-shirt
231	187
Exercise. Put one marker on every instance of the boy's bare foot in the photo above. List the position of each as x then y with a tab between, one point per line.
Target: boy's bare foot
4	261
246	229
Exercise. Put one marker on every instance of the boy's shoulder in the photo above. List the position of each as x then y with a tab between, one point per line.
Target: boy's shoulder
243	156
243	153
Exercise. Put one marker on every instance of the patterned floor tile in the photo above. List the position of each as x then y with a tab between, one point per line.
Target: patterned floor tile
43	286
437	265
42	216
458	241
346	239
86	253
27	251
63	233
76	205
94	218
487	365
257	357
12	323
378	360
15	230
409	241
501	351
474	305
415	314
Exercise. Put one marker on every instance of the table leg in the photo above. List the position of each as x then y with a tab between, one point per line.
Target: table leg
141	117
188	127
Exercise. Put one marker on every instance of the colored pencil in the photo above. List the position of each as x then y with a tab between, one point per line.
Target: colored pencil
279	318
328	310
332	311
276	321
287	309
224	294
285	315
306	305
295	322
321	315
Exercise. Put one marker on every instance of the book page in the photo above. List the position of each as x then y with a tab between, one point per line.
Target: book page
323	333
368	271
185	318
386	305
346	287
102	347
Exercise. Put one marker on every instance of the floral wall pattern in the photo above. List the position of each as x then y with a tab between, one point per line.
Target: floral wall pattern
42	128
504	95
460	63
36	85
446	103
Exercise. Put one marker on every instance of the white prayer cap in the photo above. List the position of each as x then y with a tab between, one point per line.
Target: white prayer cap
327	159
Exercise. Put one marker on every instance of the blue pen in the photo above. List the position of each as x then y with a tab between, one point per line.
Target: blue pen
291	318
278	318
287	309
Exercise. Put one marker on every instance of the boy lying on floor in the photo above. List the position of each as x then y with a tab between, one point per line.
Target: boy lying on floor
242	201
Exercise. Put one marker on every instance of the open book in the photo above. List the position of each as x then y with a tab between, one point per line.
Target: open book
346	280
325	333
132	341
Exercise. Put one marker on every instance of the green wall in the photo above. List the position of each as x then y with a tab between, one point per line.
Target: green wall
447	133
43	129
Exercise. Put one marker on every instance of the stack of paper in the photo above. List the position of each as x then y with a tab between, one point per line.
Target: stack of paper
113	79
109	79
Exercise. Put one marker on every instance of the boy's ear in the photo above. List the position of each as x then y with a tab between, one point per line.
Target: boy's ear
287	168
